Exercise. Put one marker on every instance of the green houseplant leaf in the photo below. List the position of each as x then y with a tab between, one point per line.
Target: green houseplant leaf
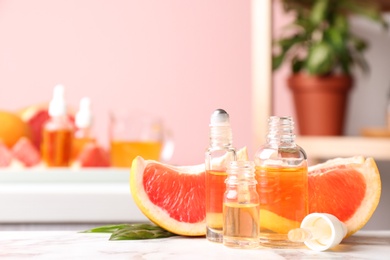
322	42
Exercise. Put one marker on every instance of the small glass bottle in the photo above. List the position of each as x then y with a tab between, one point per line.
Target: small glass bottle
281	174
241	225
83	133
57	135
218	156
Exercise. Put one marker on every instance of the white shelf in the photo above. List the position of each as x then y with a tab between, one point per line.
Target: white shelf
67	196
64	175
318	147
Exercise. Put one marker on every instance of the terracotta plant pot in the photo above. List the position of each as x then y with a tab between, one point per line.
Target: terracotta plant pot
320	102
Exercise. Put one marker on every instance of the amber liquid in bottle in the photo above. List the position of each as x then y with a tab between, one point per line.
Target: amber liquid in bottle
57	142
123	152
283	199
79	144
215	188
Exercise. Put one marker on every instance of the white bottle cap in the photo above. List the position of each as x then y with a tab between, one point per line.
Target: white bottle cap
337	231
84	115
57	106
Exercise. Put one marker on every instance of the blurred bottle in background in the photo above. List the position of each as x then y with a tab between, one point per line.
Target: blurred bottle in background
56	146
83	134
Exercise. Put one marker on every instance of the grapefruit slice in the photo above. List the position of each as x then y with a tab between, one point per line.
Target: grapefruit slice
348	188
173	197
93	155
25	151
5	155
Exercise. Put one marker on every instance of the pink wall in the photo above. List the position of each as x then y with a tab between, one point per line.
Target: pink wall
177	59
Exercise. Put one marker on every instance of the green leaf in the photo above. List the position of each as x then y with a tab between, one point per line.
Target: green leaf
320	59
359	44
132	231
297	65
319	11
341	24
107	228
277	61
134	234
285	45
335	39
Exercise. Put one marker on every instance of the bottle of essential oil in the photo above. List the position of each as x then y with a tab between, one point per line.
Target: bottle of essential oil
281	174
218	157
83	133
57	135
241	222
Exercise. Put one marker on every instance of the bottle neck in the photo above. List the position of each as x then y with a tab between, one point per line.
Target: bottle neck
241	173
280	131
221	136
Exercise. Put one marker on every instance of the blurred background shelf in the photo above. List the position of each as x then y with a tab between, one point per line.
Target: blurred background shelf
318	147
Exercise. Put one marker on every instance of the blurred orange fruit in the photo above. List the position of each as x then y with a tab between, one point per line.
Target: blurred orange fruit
12	128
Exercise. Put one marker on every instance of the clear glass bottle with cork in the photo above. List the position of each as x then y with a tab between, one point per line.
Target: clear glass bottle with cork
281	174
57	134
84	122
220	147
241	222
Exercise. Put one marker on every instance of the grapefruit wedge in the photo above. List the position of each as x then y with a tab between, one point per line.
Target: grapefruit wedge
173	197
348	188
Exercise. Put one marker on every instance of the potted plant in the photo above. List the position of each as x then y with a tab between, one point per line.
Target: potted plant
322	52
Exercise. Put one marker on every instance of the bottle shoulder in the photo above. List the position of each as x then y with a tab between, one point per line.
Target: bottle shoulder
287	156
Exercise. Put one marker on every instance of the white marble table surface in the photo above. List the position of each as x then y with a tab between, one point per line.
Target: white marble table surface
75	245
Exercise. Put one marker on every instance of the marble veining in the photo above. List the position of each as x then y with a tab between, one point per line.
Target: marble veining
75	245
